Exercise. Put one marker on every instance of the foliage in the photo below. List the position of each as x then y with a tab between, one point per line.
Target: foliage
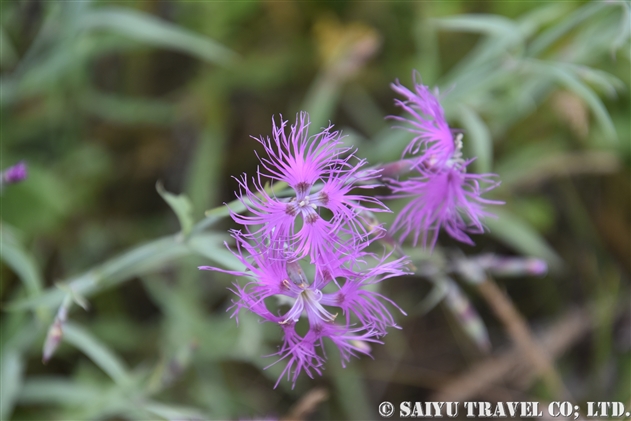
104	100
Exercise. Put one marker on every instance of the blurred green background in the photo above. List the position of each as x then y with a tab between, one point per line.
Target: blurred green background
103	99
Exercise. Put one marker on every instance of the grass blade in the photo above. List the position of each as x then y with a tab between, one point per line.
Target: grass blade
148	29
139	260
11	368
20	261
102	356
516	233
181	205
479	138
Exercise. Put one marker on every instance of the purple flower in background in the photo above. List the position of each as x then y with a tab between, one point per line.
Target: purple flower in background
322	174
447	198
443	195
14	174
433	137
364	313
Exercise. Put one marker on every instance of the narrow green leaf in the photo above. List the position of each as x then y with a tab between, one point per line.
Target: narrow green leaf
547	38
606	82
74	296
568	79
219	335
494	25
127	110
212	247
204	180
520	165
474	78
210	381
8	56
557	165
481	65
182	207
321	100
11	368
171	412
436	295
174	362
58	390
85	400
213	215
20	261
250	338
109	362
427	58
350	389
388	145
532	21
479	137
363	109
148	29
514	232
624	31
38	46
143	259
18	332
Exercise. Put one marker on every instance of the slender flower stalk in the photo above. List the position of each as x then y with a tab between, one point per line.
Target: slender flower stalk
474	269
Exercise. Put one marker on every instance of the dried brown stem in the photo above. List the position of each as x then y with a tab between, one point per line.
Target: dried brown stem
306	405
495	371
519	331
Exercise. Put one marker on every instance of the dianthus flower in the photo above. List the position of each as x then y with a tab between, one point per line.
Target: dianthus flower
448	198
322	173
443	195
433	139
365	316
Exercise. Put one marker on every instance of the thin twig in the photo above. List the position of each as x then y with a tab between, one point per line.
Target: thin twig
492	372
521	334
306	405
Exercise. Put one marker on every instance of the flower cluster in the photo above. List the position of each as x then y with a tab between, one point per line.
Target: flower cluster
322	175
306	255
443	195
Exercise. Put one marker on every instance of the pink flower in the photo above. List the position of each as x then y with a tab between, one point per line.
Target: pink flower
272	275
433	138
14	174
447	198
327	219
443	195
322	179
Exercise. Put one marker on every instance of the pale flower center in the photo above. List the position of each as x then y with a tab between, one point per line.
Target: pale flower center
308	301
